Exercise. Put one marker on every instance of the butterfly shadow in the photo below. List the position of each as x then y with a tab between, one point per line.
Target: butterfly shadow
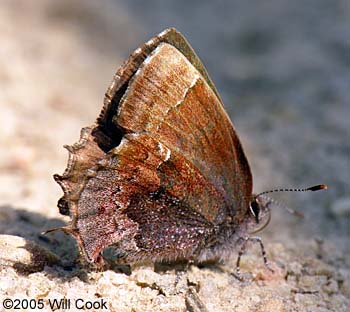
31	227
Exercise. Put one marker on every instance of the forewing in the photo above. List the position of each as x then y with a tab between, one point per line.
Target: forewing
171	101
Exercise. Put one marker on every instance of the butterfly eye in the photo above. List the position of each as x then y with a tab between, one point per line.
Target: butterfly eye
255	210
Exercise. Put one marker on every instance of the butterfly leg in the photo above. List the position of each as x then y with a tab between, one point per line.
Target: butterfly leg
244	242
181	272
263	252
242	250
191	260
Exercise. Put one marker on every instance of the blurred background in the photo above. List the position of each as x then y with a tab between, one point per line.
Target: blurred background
282	68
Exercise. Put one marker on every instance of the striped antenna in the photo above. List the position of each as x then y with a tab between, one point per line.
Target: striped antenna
314	188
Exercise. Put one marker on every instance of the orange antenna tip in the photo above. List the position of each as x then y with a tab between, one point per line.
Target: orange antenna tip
317	187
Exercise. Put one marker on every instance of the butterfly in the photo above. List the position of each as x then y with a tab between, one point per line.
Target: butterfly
161	175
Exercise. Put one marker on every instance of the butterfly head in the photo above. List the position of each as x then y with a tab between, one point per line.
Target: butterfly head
259	208
259	213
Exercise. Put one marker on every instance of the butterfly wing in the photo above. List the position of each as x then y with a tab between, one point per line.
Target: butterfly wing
163	166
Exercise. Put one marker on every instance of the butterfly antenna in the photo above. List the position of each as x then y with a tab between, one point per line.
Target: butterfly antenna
314	188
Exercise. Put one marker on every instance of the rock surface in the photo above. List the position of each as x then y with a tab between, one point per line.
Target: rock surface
282	68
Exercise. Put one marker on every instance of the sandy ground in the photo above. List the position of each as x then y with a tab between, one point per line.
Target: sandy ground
283	70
